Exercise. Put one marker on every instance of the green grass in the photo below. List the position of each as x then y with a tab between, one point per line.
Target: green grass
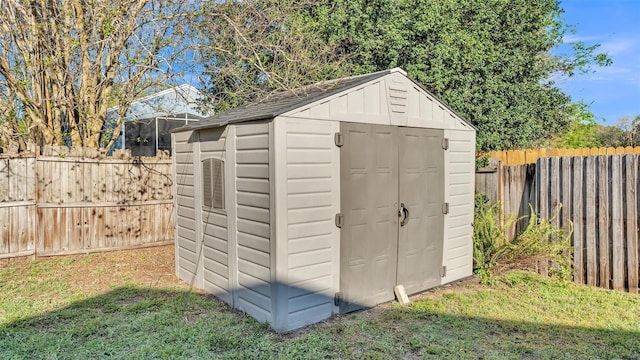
522	315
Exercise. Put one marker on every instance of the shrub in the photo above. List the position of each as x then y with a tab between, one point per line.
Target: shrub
540	244
488	234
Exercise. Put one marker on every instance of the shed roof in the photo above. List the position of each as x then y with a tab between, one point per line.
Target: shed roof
286	101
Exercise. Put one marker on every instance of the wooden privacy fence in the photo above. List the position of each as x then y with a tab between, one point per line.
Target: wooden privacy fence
597	194
512	186
529	156
52	205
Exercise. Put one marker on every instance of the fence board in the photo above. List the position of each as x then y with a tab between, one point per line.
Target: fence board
566	182
487	183
4	230
603	220
542	181
590	231
554	191
631	222
617	242
4	180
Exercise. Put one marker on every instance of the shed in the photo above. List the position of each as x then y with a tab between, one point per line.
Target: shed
319	201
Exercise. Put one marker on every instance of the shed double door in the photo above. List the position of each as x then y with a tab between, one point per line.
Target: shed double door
392	193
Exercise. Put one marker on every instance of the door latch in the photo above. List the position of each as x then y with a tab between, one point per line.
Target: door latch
404	213
445	144
445	208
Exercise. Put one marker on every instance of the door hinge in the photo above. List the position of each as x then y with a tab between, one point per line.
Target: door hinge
443	271
337	299
339	220
339	139
445	208
445	143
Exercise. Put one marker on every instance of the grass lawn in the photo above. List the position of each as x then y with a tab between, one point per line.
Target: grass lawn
129	305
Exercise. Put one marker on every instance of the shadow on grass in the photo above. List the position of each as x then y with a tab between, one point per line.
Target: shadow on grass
132	322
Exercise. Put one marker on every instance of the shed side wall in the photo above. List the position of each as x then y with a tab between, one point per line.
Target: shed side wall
215	238
185	218
459	193
253	289
313	200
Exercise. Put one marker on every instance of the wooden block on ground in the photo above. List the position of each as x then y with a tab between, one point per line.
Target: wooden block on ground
401	295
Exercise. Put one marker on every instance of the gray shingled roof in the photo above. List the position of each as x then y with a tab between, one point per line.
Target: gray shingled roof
283	102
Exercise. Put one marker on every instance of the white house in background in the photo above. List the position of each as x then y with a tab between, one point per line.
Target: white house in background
149	121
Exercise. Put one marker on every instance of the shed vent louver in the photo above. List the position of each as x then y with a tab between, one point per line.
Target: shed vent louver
398	98
213	183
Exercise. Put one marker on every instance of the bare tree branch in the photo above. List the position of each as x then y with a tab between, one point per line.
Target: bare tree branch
64	63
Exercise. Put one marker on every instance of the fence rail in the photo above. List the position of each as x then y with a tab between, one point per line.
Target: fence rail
52	205
530	156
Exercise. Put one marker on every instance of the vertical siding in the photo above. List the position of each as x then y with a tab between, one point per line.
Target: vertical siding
459	193
185	203
312	198
253	293
215	239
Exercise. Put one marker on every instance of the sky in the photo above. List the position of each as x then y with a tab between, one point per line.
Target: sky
614	91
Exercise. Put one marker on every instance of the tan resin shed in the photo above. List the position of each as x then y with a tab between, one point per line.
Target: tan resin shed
319	201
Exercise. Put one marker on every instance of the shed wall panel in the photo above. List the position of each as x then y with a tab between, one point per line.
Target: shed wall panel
252	207
215	236
459	193
185	219
312	197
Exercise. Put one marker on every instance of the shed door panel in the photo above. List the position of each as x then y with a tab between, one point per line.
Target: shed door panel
421	189
381	167
369	204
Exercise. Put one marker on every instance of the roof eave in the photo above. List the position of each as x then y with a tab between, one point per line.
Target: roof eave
198	126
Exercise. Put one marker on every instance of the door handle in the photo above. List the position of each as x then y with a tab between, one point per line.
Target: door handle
405	213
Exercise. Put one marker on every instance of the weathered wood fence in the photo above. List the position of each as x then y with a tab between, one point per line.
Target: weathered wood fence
52	205
513	187
596	194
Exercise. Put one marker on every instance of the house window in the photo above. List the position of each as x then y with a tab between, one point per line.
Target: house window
213	183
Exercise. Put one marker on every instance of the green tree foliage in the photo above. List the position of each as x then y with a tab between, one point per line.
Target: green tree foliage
489	60
611	136
584	131
626	132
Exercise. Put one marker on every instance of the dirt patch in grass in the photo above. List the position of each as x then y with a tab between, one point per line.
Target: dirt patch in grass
95	274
